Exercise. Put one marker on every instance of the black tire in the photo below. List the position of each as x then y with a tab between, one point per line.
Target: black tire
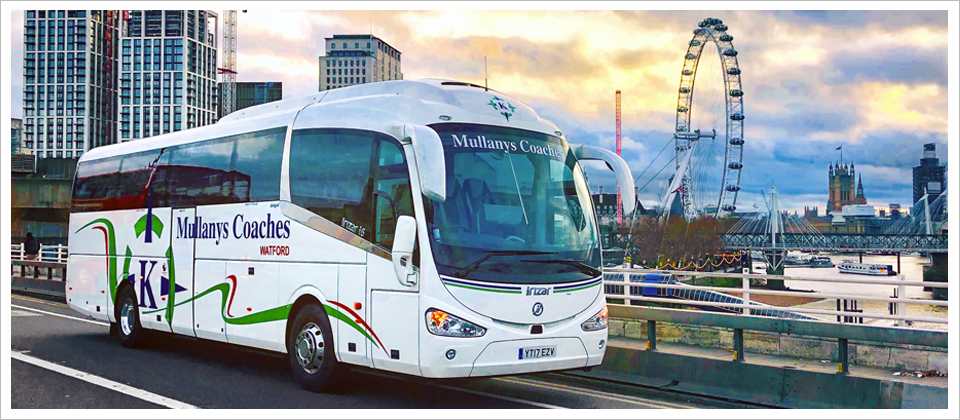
312	360
129	330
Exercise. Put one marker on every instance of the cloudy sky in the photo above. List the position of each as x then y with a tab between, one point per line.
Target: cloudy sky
874	82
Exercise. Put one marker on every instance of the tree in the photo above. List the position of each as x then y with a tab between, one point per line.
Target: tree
676	239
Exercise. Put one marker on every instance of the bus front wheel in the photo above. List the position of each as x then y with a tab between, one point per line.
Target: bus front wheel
128	318
310	349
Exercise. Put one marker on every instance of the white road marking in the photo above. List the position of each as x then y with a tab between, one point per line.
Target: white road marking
99	381
596	394
469	391
89	321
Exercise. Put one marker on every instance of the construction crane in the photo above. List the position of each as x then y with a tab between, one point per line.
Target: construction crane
619	202
228	82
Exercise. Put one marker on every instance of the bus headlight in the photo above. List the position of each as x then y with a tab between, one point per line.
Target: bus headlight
596	322
446	325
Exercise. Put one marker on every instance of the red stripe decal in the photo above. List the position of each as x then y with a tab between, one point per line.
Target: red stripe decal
360	321
233	290
106	245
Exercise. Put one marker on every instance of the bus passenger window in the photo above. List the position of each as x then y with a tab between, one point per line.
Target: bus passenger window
330	175
234	169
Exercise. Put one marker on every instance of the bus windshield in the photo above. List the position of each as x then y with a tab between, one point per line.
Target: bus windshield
517	208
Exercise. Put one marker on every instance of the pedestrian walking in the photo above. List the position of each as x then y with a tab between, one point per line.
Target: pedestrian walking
31	247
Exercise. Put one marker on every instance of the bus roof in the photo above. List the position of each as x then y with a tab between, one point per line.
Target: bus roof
425	101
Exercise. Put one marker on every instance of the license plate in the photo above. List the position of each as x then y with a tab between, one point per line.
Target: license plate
538	352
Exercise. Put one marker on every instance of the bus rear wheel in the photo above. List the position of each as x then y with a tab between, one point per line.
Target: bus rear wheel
128	318
310	349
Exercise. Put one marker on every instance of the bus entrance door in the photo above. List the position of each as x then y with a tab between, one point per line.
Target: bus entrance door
181	272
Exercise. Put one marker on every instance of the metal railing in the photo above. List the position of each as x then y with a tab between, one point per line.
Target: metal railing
633	279
48	253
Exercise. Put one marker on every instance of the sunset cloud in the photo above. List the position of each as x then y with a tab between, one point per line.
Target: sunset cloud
873	81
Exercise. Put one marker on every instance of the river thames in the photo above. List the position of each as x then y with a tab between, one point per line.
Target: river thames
911	266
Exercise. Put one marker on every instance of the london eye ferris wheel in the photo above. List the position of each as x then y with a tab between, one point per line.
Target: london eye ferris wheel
708	135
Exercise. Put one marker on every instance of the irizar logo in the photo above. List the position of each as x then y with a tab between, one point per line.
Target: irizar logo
538	291
537	309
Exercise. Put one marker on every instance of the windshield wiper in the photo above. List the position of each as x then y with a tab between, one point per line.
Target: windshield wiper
519	195
585	268
469	268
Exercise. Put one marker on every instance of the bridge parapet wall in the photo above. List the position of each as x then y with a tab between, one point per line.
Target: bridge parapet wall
864	353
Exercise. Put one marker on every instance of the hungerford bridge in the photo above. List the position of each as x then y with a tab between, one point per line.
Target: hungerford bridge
924	231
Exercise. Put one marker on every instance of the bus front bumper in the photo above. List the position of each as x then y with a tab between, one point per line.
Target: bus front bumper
512	357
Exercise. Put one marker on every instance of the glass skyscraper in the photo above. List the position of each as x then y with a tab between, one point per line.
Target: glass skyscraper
69	73
168	72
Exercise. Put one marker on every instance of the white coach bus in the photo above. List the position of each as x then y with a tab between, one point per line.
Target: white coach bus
431	228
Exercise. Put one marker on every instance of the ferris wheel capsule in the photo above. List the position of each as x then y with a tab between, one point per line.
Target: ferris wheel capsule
695	43
736	92
736	165
721	27
737	116
736	141
684	90
733	71
730	53
691	56
687	72
726	37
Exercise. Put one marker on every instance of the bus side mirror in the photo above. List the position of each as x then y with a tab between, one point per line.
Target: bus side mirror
428	152
403	242
619	167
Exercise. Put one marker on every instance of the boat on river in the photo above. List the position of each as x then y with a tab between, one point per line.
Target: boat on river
820	261
853	267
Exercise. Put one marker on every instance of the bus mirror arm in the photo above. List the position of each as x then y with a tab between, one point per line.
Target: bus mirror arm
428	152
619	167
404	240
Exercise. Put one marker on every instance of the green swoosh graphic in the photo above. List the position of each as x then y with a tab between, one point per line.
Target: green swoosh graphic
141	225
343	317
275	314
173	287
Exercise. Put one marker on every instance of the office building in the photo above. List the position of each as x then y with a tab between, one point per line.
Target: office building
356	59
929	176
168	73
69	81
248	94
